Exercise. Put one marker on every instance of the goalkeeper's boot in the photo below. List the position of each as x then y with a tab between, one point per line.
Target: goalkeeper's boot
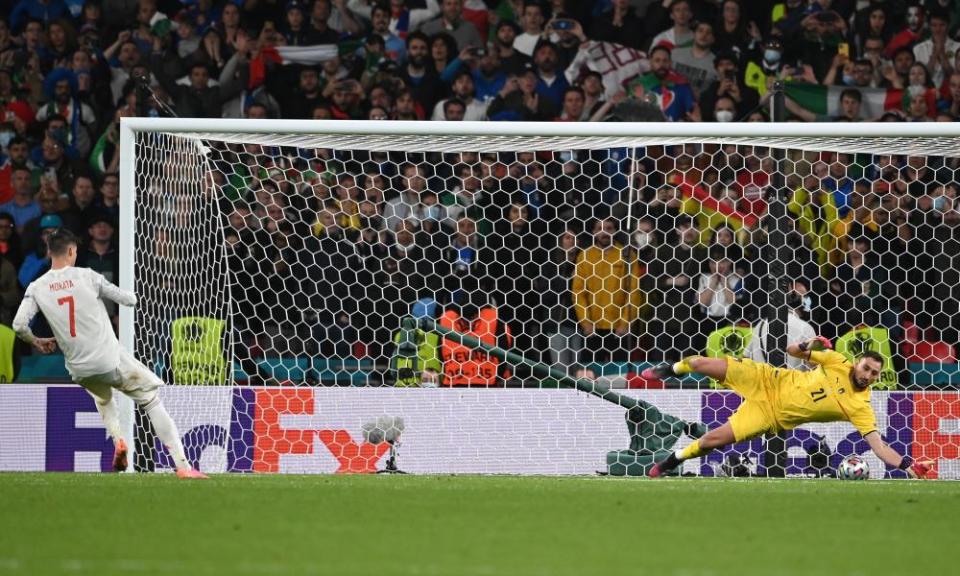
190	474
664	466
120	456
658	372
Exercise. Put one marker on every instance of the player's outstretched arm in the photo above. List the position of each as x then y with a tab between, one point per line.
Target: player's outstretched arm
21	325
111	291
890	457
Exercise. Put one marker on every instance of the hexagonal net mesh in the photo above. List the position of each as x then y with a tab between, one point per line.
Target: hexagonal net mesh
282	259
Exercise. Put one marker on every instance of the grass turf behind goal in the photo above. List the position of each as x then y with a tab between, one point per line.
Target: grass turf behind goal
284	524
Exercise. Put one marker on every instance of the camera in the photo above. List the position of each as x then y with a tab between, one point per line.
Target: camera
562	24
478	52
730	75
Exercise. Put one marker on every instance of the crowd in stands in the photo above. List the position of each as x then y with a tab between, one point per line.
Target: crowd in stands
590	251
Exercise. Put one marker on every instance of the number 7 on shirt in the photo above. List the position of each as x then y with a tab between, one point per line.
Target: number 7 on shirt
68	300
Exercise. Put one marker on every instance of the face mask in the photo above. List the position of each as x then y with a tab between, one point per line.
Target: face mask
807	304
642	239
939	202
724	115
771	56
849	80
5	138
432	213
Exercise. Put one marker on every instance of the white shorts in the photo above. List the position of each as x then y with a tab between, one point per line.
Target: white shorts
131	377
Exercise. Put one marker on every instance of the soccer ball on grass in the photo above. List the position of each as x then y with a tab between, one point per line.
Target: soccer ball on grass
853	468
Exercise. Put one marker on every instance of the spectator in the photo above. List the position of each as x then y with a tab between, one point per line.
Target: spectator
463	258
512	60
696	62
9	289
551	83
100	253
733	34
37	262
464	92
619	25
606	296
952	102
408	204
341	18
850	102
423	81
673	94
532	22
516	245
759	75
451	21
443	51
17	158
453	109
123	56
565	341
519	100
678	264
17	114
395	48
679	35
718	292
48	198
914	31
110	195
937	51
798	328
489	76
44	11
403	19
23	207
573	105
10	248
83	198
61	89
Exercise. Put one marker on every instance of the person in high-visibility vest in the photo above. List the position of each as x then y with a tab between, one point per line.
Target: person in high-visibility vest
463	366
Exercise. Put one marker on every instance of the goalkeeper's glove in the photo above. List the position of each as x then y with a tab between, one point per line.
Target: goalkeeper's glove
919	469
816	344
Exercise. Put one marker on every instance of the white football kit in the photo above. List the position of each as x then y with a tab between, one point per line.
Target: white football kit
71	300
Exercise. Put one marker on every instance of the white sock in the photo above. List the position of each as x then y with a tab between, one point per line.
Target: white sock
167	432
111	417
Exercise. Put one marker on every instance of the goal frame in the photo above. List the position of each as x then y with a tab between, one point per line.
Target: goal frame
690	132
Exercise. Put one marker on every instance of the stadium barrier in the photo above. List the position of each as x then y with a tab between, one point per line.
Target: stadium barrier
461	431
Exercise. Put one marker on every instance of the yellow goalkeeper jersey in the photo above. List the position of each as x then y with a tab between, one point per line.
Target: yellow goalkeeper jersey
825	394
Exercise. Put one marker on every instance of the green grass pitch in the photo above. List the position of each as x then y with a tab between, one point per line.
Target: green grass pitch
448	525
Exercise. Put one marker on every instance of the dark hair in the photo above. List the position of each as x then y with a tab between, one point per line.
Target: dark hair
453	102
873	355
60	240
661	47
852	93
418	35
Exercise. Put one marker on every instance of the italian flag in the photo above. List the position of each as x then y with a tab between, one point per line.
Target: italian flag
825	100
710	213
303	55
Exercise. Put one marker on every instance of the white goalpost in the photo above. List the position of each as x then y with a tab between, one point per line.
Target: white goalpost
276	261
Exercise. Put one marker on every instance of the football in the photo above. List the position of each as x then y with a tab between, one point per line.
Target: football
853	468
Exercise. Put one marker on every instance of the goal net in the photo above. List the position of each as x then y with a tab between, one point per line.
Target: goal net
276	262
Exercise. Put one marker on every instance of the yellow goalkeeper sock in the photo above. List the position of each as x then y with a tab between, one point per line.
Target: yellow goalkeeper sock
693	450
683	366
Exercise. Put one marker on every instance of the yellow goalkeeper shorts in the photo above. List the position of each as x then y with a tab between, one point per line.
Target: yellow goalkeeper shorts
754	382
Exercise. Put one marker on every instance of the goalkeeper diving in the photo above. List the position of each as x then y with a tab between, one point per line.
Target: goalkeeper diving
776	399
71	300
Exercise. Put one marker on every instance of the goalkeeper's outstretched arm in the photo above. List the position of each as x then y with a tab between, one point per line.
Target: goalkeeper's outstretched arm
890	457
